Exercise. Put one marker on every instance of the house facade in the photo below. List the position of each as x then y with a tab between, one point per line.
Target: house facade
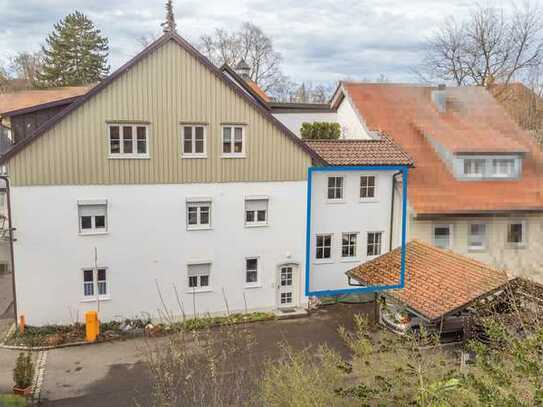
170	188
476	188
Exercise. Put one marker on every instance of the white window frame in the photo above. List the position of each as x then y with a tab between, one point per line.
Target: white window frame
95	295
199	203
256	222
257	283
335	188
199	288
93	230
381	243
193	127
450	226
367	187
471	163
324	259
233	154
476	248
524	233
496	167
356	249
134	154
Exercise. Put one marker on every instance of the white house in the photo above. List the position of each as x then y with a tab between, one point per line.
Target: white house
170	186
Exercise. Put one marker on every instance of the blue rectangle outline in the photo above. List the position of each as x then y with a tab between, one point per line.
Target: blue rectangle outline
404	169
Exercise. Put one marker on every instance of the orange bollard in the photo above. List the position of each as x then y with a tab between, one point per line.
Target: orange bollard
22	324
91	329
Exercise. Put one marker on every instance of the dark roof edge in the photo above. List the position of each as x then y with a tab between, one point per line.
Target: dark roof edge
125	67
287	107
243	84
41	106
476	213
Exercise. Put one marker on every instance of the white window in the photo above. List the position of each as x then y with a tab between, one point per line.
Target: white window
233	141
367	187
194	141
474	167
198	276
335	188
516	233
324	247
477	236
348	244
128	140
256	211
199	214
503	168
251	271
375	241
442	236
92	216
95	282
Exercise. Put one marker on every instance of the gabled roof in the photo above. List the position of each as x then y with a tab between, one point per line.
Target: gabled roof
437	282
169	36
406	112
381	151
249	86
29	100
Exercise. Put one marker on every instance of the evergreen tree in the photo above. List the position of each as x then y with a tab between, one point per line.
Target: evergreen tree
169	25
76	53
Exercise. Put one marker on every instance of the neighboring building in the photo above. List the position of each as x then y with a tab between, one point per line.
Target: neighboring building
477	185
172	180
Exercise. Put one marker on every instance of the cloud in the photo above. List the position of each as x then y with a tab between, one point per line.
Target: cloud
320	40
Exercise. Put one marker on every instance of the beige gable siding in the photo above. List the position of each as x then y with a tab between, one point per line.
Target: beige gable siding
168	87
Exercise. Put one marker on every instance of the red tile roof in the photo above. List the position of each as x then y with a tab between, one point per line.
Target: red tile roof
381	151
258	90
405	112
437	282
29	98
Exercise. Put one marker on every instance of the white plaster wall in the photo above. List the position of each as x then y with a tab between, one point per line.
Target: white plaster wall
147	241
351	123
351	215
294	121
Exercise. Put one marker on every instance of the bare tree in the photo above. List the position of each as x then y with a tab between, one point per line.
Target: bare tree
490	46
254	47
26	66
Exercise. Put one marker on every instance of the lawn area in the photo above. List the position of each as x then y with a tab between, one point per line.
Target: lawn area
9	400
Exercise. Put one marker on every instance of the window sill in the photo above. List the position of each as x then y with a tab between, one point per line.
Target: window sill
369	200
350	259
323	261
476	249
251	286
233	156
189	156
200	291
190	229
256	225
93	299
130	157
517	245
97	233
335	201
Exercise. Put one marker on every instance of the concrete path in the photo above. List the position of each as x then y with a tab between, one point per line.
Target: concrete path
6	292
114	374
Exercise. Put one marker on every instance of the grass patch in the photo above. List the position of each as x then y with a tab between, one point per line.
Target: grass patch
54	335
11	400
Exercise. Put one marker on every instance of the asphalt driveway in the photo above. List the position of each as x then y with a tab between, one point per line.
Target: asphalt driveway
114	374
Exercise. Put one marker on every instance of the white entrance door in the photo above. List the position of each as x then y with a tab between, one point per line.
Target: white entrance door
287	295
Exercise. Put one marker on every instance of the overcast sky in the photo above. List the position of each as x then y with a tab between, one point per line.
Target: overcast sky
320	40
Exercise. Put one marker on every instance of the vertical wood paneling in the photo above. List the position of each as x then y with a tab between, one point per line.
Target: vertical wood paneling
167	87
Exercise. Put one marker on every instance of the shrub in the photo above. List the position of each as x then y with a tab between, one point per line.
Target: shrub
320	131
24	371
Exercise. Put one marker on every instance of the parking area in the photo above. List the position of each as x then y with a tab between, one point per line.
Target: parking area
114	374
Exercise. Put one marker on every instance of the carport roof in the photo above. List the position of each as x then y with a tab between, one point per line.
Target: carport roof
437	282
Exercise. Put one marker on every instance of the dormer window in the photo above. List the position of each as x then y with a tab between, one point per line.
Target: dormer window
474	167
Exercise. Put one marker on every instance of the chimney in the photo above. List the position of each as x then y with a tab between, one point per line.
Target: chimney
243	70
439	97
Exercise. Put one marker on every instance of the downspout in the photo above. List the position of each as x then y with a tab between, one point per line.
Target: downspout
11	252
392	210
